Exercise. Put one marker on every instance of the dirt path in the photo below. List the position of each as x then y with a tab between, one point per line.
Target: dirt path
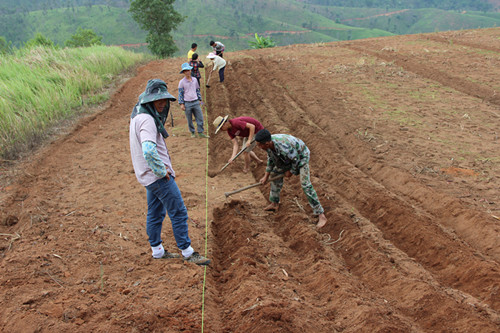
373	16
403	134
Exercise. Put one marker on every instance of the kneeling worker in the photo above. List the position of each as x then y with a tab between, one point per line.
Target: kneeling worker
288	155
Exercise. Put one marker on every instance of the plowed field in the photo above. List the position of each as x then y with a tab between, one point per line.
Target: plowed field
405	157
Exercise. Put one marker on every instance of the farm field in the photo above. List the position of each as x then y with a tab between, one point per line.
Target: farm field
405	157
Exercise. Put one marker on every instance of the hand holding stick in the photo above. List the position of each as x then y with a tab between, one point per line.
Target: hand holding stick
212	174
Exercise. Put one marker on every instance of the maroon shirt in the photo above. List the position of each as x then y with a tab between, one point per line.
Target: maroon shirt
238	126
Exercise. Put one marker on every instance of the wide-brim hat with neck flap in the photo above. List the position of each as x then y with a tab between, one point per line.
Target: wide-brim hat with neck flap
156	89
218	122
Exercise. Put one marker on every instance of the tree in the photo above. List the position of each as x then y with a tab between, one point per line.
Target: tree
39	40
158	17
83	38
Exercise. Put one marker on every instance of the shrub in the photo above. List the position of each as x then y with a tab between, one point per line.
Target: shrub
84	38
262	42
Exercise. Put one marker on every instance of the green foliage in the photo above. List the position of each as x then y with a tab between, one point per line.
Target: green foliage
39	40
42	85
114	24
84	38
428	20
5	47
159	18
162	45
261	42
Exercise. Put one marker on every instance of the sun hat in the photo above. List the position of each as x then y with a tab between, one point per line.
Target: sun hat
156	89
185	67
218	122
263	136
211	55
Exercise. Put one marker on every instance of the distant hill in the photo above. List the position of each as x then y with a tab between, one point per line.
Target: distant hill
477	5
234	22
495	4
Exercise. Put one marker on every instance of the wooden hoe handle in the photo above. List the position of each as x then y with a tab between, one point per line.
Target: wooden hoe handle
251	186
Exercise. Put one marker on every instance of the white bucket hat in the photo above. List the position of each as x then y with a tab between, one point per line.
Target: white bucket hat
211	55
218	122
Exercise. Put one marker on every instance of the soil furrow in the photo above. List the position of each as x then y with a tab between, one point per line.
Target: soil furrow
428	71
289	272
397	219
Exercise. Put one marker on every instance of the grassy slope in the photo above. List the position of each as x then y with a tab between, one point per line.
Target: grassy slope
429	20
226	19
114	24
41	86
444	20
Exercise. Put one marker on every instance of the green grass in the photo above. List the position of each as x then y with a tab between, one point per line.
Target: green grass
114	24
419	20
432	20
494	159
402	117
41	86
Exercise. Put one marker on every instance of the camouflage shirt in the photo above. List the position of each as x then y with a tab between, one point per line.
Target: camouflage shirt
290	154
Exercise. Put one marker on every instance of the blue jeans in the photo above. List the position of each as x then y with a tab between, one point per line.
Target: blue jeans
164	196
194	108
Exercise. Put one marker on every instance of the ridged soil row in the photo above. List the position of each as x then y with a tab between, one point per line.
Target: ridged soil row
262	282
428	71
291	276
414	233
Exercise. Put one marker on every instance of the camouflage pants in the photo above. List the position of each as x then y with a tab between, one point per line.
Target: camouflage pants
307	187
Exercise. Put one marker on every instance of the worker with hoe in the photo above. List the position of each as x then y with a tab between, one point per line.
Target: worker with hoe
218	48
153	169
244	127
218	64
288	155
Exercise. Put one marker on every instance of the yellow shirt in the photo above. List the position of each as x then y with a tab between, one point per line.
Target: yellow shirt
190	54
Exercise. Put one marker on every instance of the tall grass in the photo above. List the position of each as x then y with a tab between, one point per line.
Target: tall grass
40	86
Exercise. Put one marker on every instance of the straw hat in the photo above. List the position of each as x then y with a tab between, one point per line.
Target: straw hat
218	122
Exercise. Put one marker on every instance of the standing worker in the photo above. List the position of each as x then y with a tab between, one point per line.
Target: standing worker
153	169
218	48
288	155
196	64
244	127
189	100
219	64
194	46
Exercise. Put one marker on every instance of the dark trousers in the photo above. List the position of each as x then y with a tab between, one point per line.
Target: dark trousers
221	74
